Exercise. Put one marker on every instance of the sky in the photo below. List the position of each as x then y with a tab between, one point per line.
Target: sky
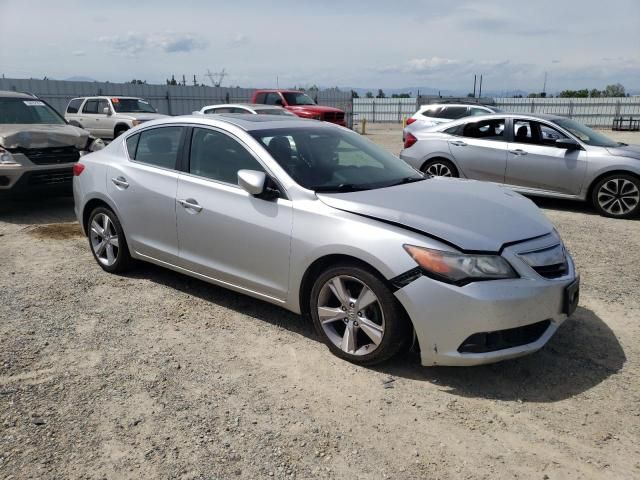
369	44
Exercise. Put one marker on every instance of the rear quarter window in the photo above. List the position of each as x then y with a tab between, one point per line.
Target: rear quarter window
74	105
132	145
260	97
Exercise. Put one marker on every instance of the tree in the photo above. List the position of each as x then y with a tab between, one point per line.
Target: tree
594	93
470	95
354	94
584	93
400	95
380	94
172	81
615	90
369	95
138	82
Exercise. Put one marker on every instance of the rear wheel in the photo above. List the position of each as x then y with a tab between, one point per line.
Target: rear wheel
617	196
357	316
440	167
119	130
106	238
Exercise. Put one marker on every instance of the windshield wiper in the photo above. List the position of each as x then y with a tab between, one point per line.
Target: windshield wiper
343	187
407	180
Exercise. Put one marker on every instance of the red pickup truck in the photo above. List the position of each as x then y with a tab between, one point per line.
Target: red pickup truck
299	103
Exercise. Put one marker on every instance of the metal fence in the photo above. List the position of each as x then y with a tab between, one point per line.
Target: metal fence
595	112
167	99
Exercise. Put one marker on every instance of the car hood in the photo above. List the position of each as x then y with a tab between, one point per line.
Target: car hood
631	151
473	216
314	108
42	136
143	117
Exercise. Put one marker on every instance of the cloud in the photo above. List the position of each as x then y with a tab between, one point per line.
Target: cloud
239	40
132	44
78	53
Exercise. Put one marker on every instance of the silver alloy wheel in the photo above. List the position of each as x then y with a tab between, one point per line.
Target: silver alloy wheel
351	315
618	196
104	239
439	170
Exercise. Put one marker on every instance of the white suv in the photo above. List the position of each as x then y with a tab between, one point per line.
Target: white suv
107	117
437	113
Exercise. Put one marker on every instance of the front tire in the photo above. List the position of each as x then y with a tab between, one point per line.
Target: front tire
357	316
107	242
440	167
617	196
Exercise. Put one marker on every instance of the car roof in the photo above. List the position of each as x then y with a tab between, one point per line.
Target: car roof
12	94
470	104
247	121
105	96
282	90
254	106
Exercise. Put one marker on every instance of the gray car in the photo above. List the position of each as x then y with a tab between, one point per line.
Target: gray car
542	155
319	220
38	149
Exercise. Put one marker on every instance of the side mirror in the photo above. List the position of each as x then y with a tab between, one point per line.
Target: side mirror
106	111
258	184
568	143
252	181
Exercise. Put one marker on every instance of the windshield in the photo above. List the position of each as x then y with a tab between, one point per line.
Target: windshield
297	98
27	111
585	134
132	105
333	160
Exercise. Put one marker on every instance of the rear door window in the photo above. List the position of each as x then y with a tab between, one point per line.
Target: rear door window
453	113
91	106
273	98
487	129
158	146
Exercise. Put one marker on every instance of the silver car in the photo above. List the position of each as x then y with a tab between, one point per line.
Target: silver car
319	220
543	155
255	108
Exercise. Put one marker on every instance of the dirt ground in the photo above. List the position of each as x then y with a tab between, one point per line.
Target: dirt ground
157	375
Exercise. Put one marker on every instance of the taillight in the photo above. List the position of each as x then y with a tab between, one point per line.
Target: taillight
409	140
411	120
78	168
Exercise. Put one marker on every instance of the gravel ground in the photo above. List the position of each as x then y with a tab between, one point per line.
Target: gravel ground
156	375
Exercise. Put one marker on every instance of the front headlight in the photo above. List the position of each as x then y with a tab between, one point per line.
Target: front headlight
460	268
6	158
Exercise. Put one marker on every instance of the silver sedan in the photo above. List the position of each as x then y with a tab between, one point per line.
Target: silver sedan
543	155
317	219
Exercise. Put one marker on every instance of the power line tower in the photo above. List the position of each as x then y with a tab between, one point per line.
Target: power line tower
216	78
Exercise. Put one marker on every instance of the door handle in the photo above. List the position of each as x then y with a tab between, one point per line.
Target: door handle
458	143
190	204
120	182
518	152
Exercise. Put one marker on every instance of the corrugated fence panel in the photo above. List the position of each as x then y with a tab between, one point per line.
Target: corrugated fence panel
167	99
595	112
383	109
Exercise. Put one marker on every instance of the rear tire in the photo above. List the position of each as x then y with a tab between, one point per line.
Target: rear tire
357	316
119	131
617	196
107	241
440	167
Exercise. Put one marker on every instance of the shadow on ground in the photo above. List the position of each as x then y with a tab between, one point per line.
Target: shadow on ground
37	211
583	353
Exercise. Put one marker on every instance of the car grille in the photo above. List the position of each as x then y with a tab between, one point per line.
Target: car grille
51	178
333	116
501	339
548	262
552	271
50	156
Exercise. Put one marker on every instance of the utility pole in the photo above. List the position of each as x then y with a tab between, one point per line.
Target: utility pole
544	86
195	82
220	76
474	85
480	93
